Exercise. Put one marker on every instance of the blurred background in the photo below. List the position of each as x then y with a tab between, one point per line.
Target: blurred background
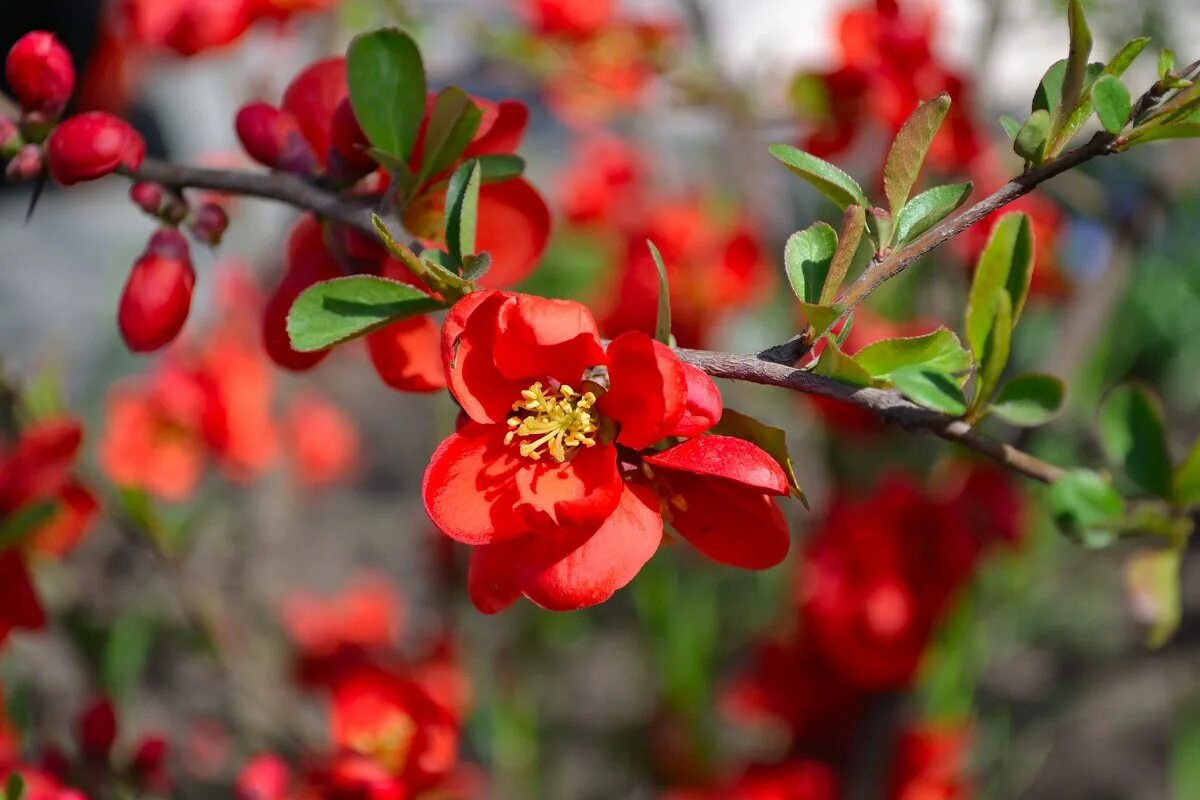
969	650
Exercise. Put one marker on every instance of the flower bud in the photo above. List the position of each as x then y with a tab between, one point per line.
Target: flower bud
209	224
92	145
147	196
10	138
40	73
273	138
158	295
148	768
97	730
25	165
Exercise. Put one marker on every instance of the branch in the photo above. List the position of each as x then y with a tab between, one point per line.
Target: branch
890	406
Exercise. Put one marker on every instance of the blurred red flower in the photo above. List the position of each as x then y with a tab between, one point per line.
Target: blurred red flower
929	764
322	441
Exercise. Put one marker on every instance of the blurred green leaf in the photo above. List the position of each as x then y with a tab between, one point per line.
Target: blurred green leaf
14	787
937	351
1152	583
1131	427
1187	478
853	222
1029	400
662	328
462	209
453	123
929	208
125	655
24	521
807	257
1030	143
1011	126
825	177
909	148
833	363
771	440
387	89
1112	102
1185	766
1006	264
338	310
1086	507
931	389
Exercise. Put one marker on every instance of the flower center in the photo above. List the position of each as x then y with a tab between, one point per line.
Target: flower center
560	419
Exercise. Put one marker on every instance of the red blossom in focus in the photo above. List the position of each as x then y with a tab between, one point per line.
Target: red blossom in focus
92	145
40	73
157	296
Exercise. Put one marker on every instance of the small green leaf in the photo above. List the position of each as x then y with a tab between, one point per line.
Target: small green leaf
15	527
1187	478
1049	92
1126	56
853	223
476	266
662	328
1077	64
1166	63
771	440
1029	400
14	787
387	89
341	309
453	123
1083	109
1178	130
125	654
909	149
930	389
1011	126
462	210
938	351
1086	507
1152	584
820	317
1112	102
994	358
807	258
1030	143
828	179
1005	264
1131	427
500	167
833	363
929	208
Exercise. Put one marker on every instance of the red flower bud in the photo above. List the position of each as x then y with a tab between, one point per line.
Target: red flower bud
26	164
147	196
10	138
349	159
157	296
273	138
168	243
40	73
97	730
209	224
148	767
92	145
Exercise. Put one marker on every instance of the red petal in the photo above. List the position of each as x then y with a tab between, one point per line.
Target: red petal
491	578
502	129
569	574
649	389
539	338
313	97
468	340
19	606
580	492
40	464
77	509
725	457
514	226
469	486
735	526
406	355
704	406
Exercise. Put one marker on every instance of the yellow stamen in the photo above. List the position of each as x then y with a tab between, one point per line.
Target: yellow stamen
560	419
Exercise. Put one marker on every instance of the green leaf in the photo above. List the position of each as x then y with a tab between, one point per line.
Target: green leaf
476	266
14	787
1083	109
1077	64
15	527
1086	507
853	222
994	356
453	123
462	210
844	333
341	309
1005	264
828	179
1131	428
833	363
1112	102
125	654
909	148
1126	56
771	440
820	317
1178	130
1166	63
929	208
662	327
1187	478
807	258
931	389
387	89
1011	126
1152	584
1185	767
1029	400
938	351
1031	140
500	167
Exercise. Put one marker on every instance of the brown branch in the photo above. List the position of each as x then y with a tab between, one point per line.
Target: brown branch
890	406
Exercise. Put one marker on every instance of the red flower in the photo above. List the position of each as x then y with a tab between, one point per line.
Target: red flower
92	145
19	606
929	764
322	440
569	17
97	730
601	180
367	614
40	73
306	261
558	498
186	26
264	778
158	295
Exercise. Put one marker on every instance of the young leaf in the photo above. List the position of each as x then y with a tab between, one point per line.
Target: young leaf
1131	428
1187	478
1077	64
462	210
1011	126
820	317
1166	63
1086	507
1083	109
853	223
931	389
825	177
1112	102
772	440
807	258
909	148
500	167
1152	583
476	266
1005	264
1029	400
662	329
452	125
938	351
1049	92
833	363
337	310
929	208
1178	130
1125	57
387	89
1030	143
994	355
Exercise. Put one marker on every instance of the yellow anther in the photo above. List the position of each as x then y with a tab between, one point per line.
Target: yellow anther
560	419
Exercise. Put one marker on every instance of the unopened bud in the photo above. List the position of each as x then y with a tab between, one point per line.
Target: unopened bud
25	165
10	138
158	295
209	224
40	73
147	196
97	731
92	145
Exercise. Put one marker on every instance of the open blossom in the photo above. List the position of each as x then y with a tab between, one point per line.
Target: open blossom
555	479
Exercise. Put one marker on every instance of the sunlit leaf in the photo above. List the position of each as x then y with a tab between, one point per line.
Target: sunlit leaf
828	179
909	149
1006	264
387	89
337	310
807	258
853	224
453	123
929	208
1031	140
931	389
820	317
994	355
833	363
1187	478
1112	102
462	210
662	328
938	351
1077	63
